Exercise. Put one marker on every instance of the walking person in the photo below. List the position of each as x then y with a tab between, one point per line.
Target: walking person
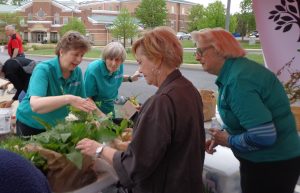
259	126
14	45
166	154
55	84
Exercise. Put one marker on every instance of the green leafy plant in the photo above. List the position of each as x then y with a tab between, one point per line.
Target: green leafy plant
64	136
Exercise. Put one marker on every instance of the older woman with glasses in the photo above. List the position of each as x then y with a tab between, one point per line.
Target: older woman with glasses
259	125
166	153
54	85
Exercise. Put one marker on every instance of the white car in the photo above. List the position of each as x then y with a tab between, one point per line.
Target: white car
183	36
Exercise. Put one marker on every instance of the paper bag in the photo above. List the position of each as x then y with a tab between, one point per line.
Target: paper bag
209	104
62	174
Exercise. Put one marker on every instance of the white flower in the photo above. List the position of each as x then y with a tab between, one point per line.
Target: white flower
71	117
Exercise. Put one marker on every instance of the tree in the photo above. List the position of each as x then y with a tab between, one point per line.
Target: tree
210	17
3	2
74	25
233	23
9	19
152	13
246	19
197	18
215	14
124	26
17	2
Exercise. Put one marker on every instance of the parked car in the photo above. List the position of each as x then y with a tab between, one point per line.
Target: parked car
254	34
183	36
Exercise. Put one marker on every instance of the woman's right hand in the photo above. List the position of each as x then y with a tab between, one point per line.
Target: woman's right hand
83	104
210	146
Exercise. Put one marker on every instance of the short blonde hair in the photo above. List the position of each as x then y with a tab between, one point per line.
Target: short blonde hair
114	50
223	42
72	40
161	43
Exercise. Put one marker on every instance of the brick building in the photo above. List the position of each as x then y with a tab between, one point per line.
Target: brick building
42	19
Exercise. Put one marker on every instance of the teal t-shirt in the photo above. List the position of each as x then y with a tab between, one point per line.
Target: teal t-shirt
250	95
47	80
101	85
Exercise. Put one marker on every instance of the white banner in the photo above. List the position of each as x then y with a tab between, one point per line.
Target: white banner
278	24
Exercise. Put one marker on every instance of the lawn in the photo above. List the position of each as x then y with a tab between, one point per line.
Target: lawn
244	43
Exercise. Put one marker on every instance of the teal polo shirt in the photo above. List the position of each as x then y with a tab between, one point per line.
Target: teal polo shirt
101	85
250	95
47	80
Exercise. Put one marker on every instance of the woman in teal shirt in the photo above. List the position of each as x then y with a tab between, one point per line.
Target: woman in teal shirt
55	84
103	78
259	125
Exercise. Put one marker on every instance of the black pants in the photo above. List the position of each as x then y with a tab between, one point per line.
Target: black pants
269	177
25	130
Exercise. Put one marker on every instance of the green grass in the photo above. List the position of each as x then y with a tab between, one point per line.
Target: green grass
188	57
244	43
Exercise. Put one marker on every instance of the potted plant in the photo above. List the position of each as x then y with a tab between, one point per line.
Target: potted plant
292	87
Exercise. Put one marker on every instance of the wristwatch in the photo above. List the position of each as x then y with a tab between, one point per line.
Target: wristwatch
99	151
129	79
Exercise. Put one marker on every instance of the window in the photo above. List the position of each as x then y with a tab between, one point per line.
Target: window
40	14
182	11
172	9
56	18
22	22
29	16
65	20
53	37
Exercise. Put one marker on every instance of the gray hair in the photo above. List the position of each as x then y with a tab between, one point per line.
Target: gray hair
114	50
10	27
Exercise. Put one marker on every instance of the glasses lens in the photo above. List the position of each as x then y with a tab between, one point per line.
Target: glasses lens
199	51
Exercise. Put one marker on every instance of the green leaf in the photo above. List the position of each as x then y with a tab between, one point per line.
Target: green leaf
46	125
65	137
76	158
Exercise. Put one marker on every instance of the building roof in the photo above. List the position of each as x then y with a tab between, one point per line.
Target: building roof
8	8
64	5
102	19
182	2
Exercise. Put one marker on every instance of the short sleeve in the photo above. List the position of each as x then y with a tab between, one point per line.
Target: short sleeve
38	84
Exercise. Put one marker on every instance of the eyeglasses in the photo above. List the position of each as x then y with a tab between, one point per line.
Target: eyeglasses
200	51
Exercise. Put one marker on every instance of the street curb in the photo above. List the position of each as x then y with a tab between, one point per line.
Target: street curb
130	62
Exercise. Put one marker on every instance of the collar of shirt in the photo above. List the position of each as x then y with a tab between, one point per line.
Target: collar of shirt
225	72
172	76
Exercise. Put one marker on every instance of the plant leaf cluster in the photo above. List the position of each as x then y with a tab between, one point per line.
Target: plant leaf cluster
64	136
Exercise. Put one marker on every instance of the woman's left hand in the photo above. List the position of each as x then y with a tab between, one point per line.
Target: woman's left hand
83	104
219	137
136	76
88	146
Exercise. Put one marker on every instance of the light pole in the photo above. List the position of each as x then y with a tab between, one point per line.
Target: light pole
227	21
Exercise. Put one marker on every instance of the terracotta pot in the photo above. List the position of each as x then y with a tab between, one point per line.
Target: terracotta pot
296	112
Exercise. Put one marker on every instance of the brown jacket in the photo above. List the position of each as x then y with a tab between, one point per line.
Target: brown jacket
166	154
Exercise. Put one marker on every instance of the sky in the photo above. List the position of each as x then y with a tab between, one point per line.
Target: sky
234	5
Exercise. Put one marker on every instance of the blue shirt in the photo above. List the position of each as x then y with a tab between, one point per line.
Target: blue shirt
101	85
251	95
47	80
